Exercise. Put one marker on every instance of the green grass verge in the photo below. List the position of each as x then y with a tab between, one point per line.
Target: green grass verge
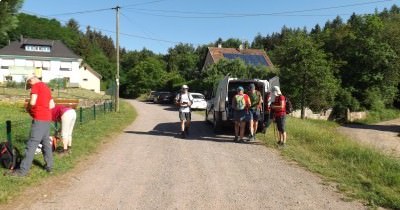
360	172
87	137
379	116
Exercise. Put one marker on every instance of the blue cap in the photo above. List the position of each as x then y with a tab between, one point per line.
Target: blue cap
252	86
240	88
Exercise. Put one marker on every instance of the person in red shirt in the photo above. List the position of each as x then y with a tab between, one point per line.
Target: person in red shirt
39	106
240	105
67	117
279	108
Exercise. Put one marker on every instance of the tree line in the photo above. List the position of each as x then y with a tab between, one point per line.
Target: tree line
344	64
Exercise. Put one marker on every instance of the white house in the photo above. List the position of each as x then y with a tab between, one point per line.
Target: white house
90	79
48	59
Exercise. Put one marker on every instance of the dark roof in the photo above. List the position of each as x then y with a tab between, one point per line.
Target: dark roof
249	56
58	49
253	60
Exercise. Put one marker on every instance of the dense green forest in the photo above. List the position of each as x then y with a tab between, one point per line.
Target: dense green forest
344	64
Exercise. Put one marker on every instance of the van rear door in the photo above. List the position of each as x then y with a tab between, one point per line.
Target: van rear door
222	94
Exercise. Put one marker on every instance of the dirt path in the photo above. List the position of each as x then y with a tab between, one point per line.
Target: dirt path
383	136
147	167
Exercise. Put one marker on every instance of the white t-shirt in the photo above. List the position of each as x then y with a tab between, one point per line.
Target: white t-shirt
184	97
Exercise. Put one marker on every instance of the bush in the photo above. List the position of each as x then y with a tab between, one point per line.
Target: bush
343	101
373	100
13	84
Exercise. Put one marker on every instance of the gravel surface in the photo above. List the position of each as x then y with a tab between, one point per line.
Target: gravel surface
149	167
383	136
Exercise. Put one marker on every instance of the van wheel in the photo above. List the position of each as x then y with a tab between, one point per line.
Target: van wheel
217	126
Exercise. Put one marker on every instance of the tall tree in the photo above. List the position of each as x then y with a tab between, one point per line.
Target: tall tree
8	18
306	73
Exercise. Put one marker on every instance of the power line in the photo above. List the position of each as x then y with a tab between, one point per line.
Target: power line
103	9
238	15
113	32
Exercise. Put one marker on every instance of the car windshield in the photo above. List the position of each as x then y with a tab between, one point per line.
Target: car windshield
197	96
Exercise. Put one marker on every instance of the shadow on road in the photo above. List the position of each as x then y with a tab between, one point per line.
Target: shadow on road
388	128
199	131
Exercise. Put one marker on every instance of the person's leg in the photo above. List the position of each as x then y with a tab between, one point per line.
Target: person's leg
284	129
280	129
65	121
71	129
242	126
47	149
188	117
251	123
237	130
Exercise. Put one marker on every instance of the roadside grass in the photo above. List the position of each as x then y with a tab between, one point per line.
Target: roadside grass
87	137
379	116
361	172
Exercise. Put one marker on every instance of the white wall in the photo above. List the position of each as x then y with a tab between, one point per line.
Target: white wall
89	80
20	68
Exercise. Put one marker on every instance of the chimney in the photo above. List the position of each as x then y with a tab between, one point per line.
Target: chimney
219	45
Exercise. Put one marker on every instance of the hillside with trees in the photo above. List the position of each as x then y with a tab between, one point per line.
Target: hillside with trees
344	64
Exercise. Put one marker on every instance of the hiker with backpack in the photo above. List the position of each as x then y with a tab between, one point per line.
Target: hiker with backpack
184	100
240	104
67	117
279	109
39	106
254	111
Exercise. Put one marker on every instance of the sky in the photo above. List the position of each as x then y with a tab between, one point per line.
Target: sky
161	24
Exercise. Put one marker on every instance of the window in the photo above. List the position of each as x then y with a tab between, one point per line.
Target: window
37	48
4	67
45	65
66	66
8	78
85	79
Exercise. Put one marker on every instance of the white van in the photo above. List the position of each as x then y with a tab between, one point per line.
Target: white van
219	111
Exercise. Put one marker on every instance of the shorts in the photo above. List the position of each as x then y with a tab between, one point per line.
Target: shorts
255	114
239	115
280	123
185	116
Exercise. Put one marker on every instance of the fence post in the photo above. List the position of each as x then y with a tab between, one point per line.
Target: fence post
80	115
94	111
8	130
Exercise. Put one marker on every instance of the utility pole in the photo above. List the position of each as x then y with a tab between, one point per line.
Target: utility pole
117	8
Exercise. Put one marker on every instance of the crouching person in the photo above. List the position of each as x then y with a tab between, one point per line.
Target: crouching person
67	117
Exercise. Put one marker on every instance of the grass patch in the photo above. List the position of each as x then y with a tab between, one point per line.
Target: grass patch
360	172
379	116
87	137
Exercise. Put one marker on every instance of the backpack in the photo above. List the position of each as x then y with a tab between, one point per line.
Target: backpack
255	98
9	156
179	98
240	102
288	105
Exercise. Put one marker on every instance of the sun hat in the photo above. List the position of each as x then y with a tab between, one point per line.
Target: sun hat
240	88
185	87
277	90
30	76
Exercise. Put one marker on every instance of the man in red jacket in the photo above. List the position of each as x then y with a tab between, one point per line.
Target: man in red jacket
279	108
39	106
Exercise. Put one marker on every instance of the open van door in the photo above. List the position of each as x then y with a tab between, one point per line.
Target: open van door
274	81
222	94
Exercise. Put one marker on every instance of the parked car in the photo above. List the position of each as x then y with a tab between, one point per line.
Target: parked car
199	101
151	96
164	97
219	111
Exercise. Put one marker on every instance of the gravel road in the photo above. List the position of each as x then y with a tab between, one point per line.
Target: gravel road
383	136
149	167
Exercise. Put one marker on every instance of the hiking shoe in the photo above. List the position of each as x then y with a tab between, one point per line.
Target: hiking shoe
14	173
63	153
236	139
48	170
241	141
252	138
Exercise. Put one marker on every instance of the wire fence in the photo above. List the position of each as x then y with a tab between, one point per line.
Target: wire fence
17	130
